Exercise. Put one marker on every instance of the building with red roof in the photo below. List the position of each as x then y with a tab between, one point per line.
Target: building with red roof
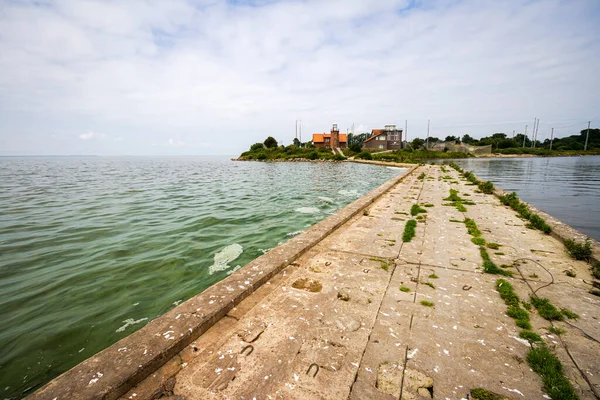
332	140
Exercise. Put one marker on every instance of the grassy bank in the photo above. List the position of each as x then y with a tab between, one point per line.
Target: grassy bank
290	152
411	156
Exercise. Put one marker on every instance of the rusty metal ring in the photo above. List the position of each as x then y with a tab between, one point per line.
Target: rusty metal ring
247	347
310	367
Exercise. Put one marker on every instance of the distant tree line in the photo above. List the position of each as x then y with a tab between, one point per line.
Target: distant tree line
573	142
500	141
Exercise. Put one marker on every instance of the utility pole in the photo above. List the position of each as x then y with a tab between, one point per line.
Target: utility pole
533	130
427	141
551	138
525	136
587	136
406	130
537	129
300	131
513	133
296	129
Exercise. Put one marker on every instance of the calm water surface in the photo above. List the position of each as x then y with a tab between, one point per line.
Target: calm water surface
92	249
566	187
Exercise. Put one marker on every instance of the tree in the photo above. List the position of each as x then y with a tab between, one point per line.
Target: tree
257	146
417	143
451	139
355	147
297	142
270	142
468	139
357	139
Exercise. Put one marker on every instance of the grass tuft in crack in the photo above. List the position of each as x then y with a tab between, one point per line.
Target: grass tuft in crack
548	366
409	230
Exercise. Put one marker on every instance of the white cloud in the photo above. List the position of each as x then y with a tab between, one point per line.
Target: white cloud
232	75
92	135
176	143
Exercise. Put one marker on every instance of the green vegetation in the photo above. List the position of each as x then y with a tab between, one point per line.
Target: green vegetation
364	155
457	201
415	156
548	366
427	303
479	241
269	150
526	305
430	284
571	273
488	265
540	358
556	330
596	269
579	251
433	276
416	209
270	142
383	263
532	337
507	292
523	210
427	205
570	145
494	246
409	230
511	299
421	176
484	394
546	309
404	289
486	187
595	292
569	314
472	227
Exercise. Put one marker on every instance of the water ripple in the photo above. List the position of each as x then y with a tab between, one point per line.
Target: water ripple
91	249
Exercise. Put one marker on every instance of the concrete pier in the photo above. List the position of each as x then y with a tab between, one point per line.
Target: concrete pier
347	310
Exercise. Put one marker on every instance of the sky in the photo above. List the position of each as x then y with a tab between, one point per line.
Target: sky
213	77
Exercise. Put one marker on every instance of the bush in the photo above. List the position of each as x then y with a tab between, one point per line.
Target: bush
365	155
312	155
579	251
355	147
486	187
257	146
339	157
596	269
521	208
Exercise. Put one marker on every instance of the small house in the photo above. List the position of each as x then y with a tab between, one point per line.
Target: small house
332	140
388	138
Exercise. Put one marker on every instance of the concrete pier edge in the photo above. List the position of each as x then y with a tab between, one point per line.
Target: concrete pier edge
113	371
560	230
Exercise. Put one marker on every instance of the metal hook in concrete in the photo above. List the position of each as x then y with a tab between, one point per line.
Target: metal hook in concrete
247	347
310	367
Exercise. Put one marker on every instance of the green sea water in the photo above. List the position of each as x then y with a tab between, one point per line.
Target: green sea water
92	249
